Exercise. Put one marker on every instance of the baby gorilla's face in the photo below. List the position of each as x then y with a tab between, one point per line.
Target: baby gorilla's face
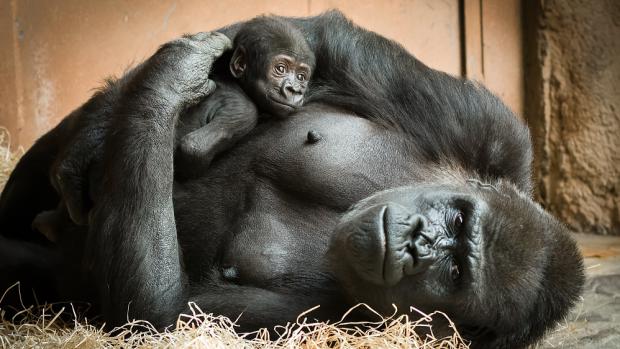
282	88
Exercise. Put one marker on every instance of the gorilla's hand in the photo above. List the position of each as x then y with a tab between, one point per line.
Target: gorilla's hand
88	125
185	64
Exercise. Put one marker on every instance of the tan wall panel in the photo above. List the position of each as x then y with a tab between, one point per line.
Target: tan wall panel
427	29
503	51
473	39
64	49
8	77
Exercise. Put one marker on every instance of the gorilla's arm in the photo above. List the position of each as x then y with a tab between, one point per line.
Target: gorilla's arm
57	165
132	241
132	238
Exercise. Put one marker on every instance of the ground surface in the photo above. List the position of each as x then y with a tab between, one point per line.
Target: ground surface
595	322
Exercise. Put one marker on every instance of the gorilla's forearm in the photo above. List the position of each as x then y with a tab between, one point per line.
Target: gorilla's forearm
255	307
132	232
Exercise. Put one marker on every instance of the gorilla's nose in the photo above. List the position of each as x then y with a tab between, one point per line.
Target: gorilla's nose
422	249
292	93
291	89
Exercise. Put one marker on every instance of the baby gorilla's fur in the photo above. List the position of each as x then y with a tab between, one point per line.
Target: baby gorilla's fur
268	73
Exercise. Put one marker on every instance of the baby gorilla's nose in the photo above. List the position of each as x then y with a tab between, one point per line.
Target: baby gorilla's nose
293	93
291	89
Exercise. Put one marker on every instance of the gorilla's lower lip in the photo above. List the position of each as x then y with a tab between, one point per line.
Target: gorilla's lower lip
384	231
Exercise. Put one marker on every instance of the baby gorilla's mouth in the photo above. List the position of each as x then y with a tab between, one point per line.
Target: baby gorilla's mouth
284	104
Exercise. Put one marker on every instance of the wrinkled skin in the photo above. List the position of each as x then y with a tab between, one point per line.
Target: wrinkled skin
394	184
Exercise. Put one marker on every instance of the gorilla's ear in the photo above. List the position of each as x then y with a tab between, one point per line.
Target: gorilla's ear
237	62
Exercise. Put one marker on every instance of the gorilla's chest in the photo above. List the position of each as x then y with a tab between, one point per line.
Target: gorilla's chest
332	159
266	209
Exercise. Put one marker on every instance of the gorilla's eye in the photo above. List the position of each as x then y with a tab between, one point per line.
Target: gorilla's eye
301	77
280	69
459	219
455	271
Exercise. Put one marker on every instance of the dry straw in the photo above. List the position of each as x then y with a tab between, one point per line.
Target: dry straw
8	156
61	326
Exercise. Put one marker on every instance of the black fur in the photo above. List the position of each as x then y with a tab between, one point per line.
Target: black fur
351	199
229	113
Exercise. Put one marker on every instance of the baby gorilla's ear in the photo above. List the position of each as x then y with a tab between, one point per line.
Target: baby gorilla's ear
237	63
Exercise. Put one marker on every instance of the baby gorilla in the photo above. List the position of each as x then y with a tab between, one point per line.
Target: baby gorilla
269	72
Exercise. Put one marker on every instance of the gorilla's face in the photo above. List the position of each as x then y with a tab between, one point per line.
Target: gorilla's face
459	249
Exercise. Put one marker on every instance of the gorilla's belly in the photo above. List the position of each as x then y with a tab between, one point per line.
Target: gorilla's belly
332	158
275	237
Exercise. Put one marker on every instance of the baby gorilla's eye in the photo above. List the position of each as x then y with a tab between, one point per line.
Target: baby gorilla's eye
301	77
280	69
455	271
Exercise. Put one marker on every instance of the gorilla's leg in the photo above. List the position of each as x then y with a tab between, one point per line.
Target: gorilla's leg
33	266
28	190
57	163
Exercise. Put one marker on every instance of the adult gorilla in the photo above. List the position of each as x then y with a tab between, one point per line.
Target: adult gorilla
396	184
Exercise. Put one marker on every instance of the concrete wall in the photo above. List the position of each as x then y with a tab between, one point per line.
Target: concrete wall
573	108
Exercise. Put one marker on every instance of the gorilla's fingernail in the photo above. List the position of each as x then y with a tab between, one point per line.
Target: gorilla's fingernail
314	137
230	273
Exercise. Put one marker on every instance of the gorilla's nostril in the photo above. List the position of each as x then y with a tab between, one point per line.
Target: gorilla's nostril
421	240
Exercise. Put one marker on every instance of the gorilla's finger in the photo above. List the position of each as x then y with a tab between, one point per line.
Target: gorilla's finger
217	42
71	183
209	87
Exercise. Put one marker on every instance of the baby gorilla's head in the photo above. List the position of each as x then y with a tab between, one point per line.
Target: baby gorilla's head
273	64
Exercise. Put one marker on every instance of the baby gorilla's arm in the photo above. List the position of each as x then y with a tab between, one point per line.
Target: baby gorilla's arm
230	115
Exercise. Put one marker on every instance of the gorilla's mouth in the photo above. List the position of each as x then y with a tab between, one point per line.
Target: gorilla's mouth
377	241
395	229
284	103
384	234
